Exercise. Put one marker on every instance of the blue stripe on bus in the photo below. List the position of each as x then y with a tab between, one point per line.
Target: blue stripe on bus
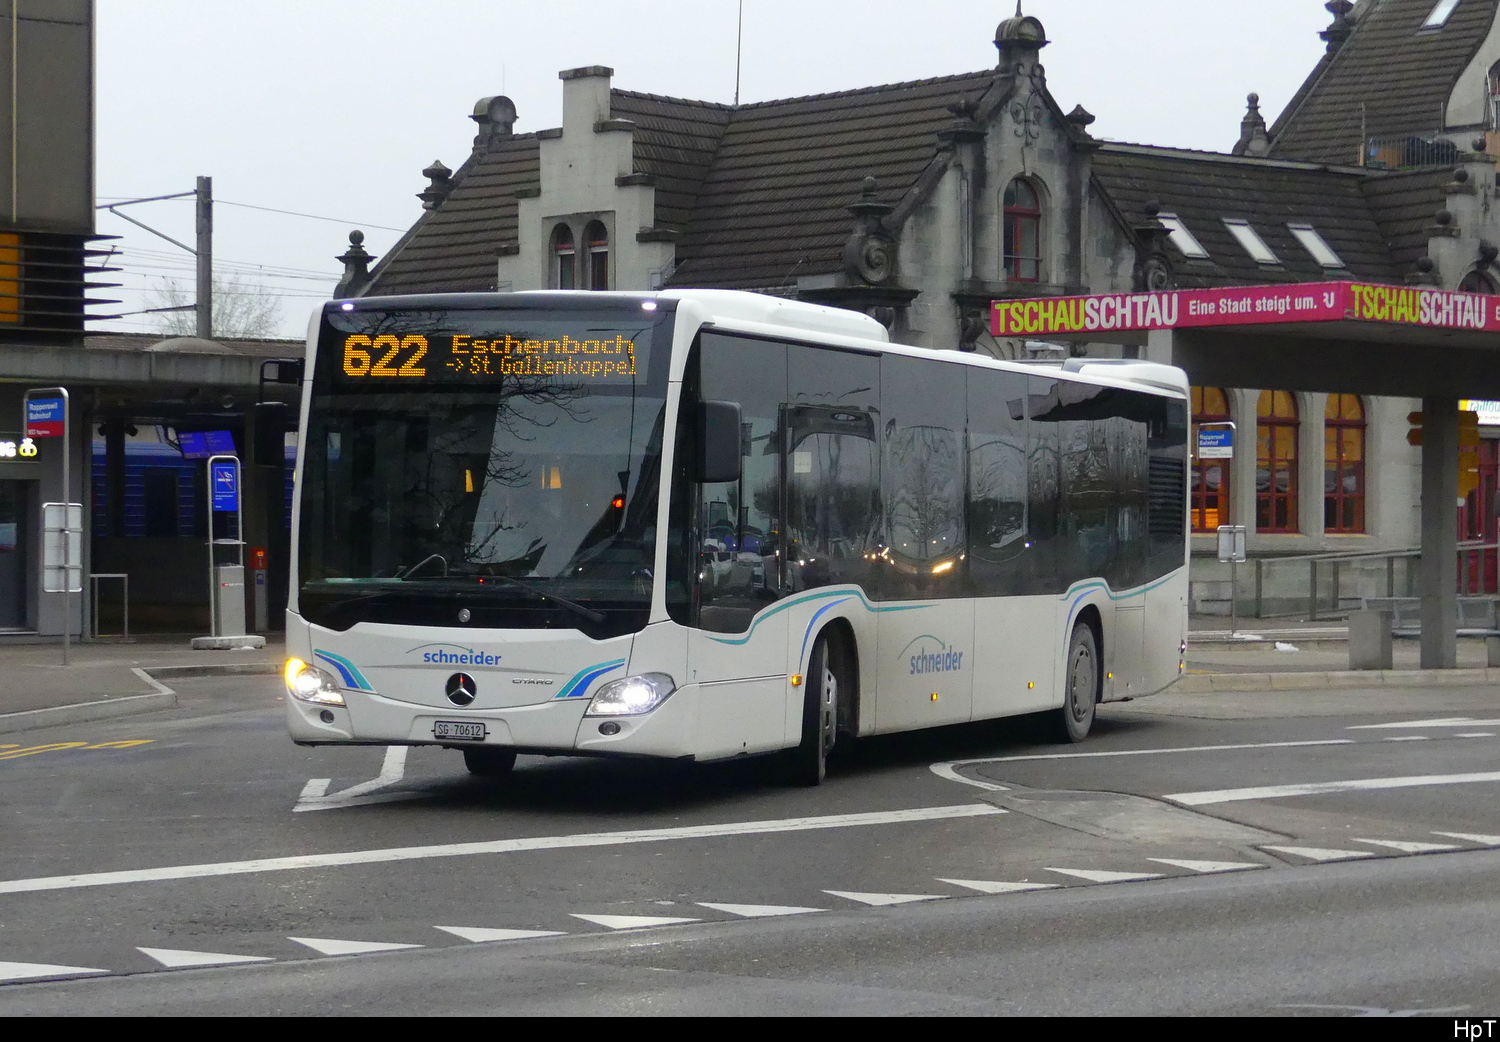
350	673
579	685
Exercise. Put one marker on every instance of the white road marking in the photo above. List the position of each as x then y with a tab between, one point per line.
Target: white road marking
1094	875
37	970
754	911
330	946
392	770
1408	738
1406	846
478	934
498	846
1473	837
1207	866
177	959
1321	853
949	769
1475	734
989	886
880	900
1447	721
1272	792
631	922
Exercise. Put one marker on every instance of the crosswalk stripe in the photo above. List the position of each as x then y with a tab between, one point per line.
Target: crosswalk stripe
479	934
879	900
10	971
1207	866
988	886
333	946
1094	875
1473	837
754	911
1406	846
1320	853
179	959
631	922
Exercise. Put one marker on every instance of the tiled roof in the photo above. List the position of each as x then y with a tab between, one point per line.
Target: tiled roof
1203	189
452	248
1404	204
772	207
674	141
1387	77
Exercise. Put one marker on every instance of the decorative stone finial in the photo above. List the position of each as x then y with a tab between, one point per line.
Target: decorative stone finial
1254	140
496	116
442	183
869	252
1339	29
356	267
1018	37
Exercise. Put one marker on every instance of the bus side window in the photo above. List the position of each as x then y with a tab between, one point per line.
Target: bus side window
998	530
1044	486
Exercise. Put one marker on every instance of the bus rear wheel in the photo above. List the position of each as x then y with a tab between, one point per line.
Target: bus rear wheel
820	717
490	763
1071	722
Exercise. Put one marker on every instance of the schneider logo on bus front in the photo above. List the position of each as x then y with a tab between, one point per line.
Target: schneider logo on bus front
926	659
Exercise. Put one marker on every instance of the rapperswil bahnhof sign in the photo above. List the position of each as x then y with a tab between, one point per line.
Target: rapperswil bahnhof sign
1246	306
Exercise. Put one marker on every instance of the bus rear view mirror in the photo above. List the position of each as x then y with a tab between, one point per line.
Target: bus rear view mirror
718	442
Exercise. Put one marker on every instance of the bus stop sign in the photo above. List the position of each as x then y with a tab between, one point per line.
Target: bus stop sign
44	417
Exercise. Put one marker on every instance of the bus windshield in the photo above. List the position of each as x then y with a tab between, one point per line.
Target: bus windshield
505	463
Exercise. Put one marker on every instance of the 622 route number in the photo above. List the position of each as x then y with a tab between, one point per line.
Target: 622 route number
366	357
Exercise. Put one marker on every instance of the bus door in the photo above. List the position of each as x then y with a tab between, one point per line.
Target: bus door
737	651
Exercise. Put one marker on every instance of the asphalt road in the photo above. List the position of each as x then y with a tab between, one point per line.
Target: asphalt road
1278	853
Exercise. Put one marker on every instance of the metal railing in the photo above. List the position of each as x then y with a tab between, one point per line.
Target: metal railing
1329	584
1408	151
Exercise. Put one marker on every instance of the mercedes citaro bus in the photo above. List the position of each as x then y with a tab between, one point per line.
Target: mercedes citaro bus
703	524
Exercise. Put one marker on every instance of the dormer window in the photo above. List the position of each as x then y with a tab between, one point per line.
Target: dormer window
1183	239
1022	232
564	258
1439	15
596	236
1250	241
1315	245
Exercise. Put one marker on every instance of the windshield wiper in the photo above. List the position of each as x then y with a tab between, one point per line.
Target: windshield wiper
597	618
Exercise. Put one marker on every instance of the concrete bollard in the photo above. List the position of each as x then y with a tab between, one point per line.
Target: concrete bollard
1370	640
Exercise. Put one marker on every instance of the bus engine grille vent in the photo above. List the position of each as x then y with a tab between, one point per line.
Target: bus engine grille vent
1165	505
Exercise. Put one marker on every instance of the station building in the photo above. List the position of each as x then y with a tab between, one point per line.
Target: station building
922	203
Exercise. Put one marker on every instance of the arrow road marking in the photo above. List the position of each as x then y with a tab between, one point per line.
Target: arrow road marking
1406	846
989	886
1321	853
879	900
478	934
754	911
1207	866
1094	875
315	795
632	922
177	959
330	946
1473	837
37	970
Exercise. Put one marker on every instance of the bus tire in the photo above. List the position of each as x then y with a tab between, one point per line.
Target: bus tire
820	716
1071	722
490	763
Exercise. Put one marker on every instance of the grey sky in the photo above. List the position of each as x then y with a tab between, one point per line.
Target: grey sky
333	107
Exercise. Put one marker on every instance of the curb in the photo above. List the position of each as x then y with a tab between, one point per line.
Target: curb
162	697
1211	683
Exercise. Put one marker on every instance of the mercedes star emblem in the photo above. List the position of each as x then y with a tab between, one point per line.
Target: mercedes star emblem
461	689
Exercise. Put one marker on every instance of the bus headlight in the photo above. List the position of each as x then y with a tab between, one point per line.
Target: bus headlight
310	684
631	696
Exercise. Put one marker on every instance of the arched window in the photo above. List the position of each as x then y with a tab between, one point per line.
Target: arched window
1344	464
564	258
1276	462
1210	475
596	240
1022	232
1477	282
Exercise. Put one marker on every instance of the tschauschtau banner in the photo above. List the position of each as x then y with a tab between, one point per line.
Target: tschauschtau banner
1245	306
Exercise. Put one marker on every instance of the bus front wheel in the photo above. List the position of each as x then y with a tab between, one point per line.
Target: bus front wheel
490	763
1071	723
820	716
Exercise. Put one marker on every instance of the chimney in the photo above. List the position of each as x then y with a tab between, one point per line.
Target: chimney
496	117
585	96
356	267
442	184
1019	39
1339	29
1253	138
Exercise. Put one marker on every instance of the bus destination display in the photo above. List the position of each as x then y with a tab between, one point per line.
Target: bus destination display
463	357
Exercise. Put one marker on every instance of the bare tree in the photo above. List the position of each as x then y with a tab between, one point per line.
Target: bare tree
241	309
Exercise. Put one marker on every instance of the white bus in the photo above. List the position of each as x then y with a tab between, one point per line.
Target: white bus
703	524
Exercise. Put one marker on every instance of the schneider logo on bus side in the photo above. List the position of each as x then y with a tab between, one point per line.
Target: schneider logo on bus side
928	654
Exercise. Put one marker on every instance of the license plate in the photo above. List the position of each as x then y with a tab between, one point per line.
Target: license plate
464	731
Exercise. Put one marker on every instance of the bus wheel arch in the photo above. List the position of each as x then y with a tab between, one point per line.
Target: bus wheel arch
1089	616
844	652
1082	680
